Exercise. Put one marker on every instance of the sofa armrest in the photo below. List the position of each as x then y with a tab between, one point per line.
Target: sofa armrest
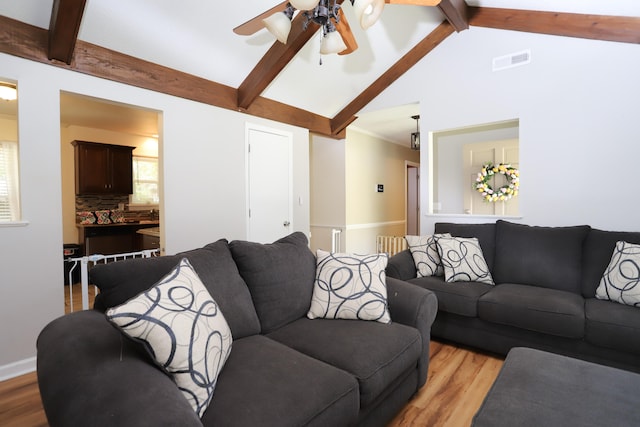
401	266
89	373
417	307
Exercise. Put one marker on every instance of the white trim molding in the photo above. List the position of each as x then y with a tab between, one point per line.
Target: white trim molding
18	368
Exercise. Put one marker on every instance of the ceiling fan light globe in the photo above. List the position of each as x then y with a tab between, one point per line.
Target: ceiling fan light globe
332	43
368	11
279	25
304	4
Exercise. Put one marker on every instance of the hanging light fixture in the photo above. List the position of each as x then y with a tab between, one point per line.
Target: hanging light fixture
8	91
326	14
415	136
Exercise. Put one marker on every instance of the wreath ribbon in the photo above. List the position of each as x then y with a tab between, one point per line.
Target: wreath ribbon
507	191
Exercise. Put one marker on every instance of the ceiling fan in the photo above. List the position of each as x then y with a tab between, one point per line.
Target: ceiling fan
328	15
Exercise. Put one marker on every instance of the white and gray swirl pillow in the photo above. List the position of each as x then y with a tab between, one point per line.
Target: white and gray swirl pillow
183	329
621	279
349	286
463	261
424	250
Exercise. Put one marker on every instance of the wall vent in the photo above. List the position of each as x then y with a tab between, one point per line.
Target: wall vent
512	60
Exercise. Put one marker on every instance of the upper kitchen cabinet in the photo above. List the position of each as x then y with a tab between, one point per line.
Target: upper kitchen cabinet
103	168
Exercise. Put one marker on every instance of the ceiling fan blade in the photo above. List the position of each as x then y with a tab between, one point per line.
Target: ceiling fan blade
254	25
347	35
414	2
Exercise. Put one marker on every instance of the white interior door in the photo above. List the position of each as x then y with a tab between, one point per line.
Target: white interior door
269	181
475	156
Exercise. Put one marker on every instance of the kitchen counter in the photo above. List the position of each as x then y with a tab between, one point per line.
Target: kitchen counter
153	231
116	238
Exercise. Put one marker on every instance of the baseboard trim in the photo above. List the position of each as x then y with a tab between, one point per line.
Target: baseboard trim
18	368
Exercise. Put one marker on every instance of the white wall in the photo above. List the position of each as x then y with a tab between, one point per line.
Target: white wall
203	161
328	202
577	106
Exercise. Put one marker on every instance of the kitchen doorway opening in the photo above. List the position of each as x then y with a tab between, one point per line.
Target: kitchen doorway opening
111	178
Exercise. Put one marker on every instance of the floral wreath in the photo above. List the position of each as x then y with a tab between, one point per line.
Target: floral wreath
503	193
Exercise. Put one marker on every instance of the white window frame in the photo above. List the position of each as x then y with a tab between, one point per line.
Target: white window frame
133	201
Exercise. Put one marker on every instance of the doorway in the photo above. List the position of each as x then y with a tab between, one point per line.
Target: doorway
269	170
413	198
84	118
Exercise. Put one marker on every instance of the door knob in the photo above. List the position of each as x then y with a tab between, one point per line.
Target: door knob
286	223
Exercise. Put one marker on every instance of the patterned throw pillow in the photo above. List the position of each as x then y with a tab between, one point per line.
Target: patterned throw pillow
424	250
463	261
621	280
103	216
183	329
86	217
350	287
117	216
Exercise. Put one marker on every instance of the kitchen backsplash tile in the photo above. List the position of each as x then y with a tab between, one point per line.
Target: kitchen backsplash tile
112	202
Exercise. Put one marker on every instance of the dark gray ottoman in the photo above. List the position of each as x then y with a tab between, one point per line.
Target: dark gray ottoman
536	388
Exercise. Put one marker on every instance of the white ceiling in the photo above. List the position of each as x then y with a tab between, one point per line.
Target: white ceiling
196	37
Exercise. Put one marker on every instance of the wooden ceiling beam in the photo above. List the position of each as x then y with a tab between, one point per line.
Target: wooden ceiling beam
348	114
456	12
623	29
273	62
66	16
30	42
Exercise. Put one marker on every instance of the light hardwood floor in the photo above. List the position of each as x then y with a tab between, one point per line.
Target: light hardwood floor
458	380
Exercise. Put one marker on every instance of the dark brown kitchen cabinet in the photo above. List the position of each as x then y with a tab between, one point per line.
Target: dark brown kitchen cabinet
103	168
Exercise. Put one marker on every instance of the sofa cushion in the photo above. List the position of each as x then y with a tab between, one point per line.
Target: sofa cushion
401	266
458	298
549	311
612	325
375	353
280	277
122	280
550	257
424	251
621	280
265	383
598	247
485	233
183	329
349	286
463	260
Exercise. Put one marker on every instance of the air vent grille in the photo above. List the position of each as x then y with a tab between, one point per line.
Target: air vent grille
512	60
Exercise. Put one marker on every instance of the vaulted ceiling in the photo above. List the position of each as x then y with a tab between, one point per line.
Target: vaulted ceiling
188	48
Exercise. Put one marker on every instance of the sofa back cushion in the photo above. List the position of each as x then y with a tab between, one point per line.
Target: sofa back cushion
598	249
485	233
120	281
280	276
550	257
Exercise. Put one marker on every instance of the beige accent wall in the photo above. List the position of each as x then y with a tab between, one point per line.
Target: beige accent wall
371	161
8	128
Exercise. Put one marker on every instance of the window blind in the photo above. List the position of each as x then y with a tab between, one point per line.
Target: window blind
9	182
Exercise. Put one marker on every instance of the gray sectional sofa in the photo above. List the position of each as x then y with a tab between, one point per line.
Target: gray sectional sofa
283	369
544	293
